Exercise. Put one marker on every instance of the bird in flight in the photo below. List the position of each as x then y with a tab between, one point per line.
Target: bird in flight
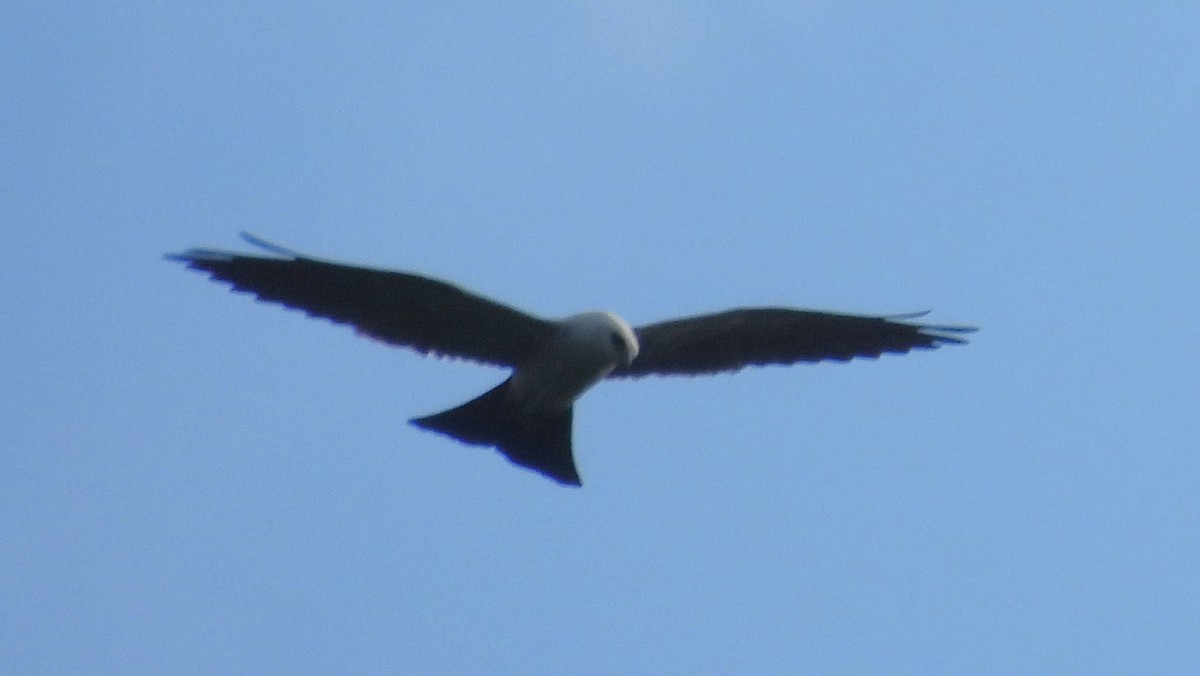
528	416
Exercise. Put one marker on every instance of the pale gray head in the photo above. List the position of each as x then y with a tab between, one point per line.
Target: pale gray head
604	331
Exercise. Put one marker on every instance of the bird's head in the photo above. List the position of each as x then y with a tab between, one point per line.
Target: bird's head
608	332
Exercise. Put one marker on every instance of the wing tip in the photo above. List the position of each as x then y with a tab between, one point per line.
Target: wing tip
197	255
947	335
267	246
938	334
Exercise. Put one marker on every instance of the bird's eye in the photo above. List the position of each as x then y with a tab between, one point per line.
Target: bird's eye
618	342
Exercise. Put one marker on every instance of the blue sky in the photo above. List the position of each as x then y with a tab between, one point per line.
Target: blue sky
196	483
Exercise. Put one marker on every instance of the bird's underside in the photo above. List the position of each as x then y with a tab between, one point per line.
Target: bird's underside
528	417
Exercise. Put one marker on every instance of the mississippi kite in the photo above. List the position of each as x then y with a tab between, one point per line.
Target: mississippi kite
528	416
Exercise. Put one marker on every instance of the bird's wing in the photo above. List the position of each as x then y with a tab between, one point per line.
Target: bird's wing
425	314
728	341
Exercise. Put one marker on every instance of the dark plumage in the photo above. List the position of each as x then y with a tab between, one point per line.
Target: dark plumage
528	416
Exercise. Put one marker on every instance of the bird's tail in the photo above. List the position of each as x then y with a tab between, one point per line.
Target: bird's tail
540	442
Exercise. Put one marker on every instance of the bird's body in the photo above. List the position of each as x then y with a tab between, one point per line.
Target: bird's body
528	416
583	351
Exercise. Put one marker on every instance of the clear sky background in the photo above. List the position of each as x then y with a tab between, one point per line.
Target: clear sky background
196	483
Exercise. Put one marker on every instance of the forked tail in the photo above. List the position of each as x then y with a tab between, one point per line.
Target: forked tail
539	442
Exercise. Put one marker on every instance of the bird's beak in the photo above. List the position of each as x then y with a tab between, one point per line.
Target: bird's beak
631	353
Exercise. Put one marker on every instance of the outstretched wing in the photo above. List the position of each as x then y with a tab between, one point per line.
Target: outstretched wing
728	341
425	314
